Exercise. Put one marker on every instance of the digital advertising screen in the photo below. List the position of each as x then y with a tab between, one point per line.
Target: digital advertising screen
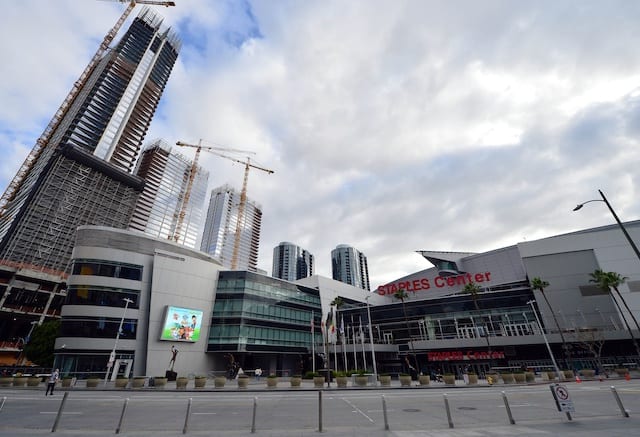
181	324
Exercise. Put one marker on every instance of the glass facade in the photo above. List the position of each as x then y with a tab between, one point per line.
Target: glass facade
291	262
254	313
350	266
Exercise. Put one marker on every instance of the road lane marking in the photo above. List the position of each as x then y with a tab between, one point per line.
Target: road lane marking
358	410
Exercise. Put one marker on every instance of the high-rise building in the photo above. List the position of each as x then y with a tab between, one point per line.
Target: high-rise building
165	199
291	262
220	226
79	172
82	175
350	266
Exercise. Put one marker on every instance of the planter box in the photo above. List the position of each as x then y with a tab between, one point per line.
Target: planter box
200	382
219	381
93	382
20	381
449	379
6	381
181	383
405	380
519	378
243	382
385	380
529	377
138	382
296	381
272	382
620	371
473	378
66	382
318	381
568	374
361	380
33	381
492	378
342	381
508	378
424	379
120	382
588	373
160	382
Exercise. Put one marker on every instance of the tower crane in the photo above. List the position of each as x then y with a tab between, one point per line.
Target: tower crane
43	140
192	175
243	193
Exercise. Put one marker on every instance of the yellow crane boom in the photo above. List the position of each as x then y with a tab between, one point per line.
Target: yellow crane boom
43	140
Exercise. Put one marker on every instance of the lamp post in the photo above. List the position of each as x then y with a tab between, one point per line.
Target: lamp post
535	313
615	216
22	358
373	351
112	357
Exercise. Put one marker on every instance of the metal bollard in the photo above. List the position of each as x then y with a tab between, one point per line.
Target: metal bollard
64	400
384	413
624	412
508	408
187	416
253	420
124	409
4	398
446	405
319	410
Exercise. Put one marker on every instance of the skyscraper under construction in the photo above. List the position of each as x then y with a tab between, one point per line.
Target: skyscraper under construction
79	171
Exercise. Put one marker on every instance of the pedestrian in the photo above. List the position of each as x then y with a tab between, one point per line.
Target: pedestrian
51	384
258	373
465	374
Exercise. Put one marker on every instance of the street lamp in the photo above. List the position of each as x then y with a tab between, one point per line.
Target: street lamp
535	313
615	216
373	351
112	357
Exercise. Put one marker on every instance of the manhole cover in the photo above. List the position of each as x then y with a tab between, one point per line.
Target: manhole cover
467	408
411	410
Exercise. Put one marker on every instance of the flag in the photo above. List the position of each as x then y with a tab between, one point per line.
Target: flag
342	325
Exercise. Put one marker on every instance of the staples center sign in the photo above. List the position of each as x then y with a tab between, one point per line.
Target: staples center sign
422	284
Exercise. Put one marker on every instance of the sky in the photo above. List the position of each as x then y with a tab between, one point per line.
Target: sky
391	125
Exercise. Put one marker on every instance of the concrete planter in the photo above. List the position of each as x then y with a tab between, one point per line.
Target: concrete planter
529	377
272	381
405	380
219	381
492	378
181	383
341	381
473	379
33	381
66	382
588	373
160	382
243	381
519	378
296	381
449	379
318	381
508	378
551	375
93	382
424	379
568	374
120	382
200	382
361	380
138	382
620	371
6	381
20	381
385	380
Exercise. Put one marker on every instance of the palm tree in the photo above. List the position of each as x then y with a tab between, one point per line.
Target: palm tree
540	285
338	303
607	281
473	290
402	295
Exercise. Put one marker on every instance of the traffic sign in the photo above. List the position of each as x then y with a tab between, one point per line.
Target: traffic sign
563	399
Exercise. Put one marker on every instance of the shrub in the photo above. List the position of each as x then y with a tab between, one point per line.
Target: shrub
311	375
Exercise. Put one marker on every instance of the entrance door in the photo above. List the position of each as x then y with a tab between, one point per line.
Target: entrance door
121	366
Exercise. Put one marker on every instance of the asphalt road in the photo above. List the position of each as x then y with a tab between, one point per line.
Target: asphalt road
474	411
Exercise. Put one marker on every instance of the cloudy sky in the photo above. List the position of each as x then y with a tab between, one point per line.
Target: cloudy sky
392	126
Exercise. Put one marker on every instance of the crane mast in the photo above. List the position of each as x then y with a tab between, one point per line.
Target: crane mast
43	140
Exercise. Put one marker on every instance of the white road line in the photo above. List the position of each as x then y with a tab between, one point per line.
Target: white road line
358	410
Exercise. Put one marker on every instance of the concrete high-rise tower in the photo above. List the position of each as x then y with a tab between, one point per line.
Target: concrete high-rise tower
82	175
291	262
350	265
166	176
220	226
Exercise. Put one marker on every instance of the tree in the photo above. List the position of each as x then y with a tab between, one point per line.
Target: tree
40	347
473	289
607	281
592	340
402	295
540	285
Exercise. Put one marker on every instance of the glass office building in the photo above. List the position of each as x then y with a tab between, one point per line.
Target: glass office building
349	265
291	262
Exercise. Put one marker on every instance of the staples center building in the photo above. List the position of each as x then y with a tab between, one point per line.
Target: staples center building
131	297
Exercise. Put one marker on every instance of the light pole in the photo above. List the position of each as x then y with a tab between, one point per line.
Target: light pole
22	357
615	216
112	357
373	351
555	365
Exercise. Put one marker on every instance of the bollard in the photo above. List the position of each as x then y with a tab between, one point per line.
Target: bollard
506	406
187	416
446	406
624	412
253	420
124	409
64	400
319	410
4	398
384	413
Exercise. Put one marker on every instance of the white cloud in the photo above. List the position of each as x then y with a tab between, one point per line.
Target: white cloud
392	126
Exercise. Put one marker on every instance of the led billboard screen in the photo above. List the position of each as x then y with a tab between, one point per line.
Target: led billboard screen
181	324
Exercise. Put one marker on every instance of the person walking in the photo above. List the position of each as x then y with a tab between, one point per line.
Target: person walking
51	384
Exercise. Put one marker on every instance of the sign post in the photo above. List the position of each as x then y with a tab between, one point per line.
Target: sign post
563	399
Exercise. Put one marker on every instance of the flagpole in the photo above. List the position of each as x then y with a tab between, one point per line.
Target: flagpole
313	342
335	338
364	356
353	336
343	343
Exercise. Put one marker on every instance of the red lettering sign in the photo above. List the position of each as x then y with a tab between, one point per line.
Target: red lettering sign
421	284
461	356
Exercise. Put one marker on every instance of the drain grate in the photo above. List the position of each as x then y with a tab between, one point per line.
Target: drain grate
467	408
411	410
